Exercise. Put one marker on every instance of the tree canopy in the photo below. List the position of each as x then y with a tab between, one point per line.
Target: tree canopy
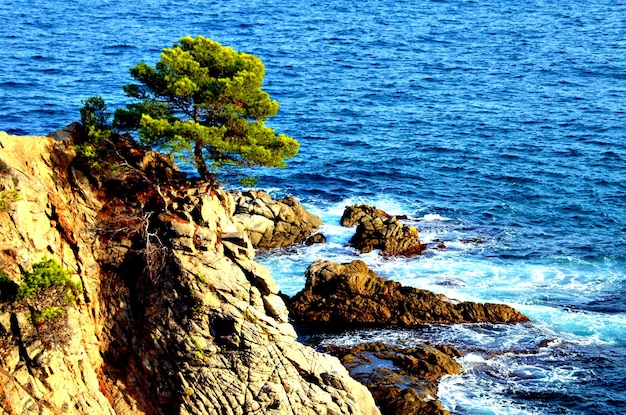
208	99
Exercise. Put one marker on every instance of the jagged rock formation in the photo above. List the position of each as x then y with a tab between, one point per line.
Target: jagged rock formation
355	214
349	295
175	316
273	223
402	380
376	229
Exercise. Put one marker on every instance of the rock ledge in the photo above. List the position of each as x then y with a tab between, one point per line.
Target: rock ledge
351	295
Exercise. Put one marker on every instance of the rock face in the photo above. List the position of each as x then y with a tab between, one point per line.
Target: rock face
273	223
402	380
375	229
175	317
355	214
349	295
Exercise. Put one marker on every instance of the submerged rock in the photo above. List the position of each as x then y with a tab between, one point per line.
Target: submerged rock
273	223
318	238
376	229
402	380
351	295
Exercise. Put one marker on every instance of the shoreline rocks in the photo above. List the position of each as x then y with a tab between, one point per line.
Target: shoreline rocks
403	381
376	229
351	295
273	223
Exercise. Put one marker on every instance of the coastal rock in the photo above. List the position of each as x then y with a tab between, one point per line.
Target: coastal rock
351	295
273	223
174	314
402	380
353	215
376	229
318	238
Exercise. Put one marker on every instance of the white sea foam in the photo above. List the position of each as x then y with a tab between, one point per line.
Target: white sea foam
465	394
433	217
487	381
473	358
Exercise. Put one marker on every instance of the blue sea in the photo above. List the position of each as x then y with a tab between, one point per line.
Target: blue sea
498	127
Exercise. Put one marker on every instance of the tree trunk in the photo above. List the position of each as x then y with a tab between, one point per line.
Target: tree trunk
200	163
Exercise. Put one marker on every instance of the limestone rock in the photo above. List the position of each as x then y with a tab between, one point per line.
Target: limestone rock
375	229
349	295
273	223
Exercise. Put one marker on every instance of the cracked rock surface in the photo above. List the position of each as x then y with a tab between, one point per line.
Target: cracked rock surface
175	317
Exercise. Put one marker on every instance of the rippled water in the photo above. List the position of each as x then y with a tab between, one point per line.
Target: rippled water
498	128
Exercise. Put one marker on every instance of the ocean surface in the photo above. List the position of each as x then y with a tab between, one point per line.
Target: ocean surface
497	127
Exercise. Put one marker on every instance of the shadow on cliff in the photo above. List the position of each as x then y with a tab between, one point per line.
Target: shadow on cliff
138	274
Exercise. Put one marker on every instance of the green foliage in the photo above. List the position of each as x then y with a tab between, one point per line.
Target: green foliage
96	131
7	198
206	98
94	113
48	290
45	276
50	314
249	181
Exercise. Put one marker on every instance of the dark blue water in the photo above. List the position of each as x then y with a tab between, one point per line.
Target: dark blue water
499	128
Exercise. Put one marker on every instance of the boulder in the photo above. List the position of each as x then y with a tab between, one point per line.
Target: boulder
273	223
70	132
351	295
318	238
353	215
376	229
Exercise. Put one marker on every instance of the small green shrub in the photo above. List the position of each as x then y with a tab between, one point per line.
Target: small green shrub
94	113
96	131
45	276
7	198
50	314
47	290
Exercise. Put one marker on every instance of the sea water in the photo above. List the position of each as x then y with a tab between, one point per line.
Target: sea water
497	127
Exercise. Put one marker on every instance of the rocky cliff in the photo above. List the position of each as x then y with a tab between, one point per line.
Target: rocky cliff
173	315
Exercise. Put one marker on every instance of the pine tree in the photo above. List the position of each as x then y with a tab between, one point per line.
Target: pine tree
208	99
